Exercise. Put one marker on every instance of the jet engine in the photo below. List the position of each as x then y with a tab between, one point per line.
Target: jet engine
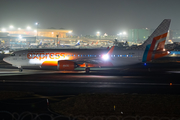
66	65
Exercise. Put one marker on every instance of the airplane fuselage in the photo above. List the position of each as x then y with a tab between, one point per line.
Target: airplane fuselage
40	57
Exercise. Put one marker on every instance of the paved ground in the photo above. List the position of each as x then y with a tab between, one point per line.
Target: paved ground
50	83
57	85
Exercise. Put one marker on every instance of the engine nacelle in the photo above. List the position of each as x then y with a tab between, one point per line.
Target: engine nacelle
66	65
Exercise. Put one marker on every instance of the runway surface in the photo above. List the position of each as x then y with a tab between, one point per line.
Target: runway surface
52	83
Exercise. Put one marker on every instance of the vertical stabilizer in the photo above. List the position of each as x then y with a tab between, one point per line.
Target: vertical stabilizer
156	42
78	43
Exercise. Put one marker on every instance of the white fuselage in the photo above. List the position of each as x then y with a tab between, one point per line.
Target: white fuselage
36	57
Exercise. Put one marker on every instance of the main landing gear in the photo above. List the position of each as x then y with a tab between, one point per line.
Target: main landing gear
87	69
20	69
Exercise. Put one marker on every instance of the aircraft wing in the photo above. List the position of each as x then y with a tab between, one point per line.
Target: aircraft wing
95	60
91	61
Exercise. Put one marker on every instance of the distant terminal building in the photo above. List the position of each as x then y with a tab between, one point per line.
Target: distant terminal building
26	37
53	33
140	35
176	35
41	32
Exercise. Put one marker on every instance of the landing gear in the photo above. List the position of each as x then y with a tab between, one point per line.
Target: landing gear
20	69
87	70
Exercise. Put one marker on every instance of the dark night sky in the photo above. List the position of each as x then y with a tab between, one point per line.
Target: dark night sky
89	16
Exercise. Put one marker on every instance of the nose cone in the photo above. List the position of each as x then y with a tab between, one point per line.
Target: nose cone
7	60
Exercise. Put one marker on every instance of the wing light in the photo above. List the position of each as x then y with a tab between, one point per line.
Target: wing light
105	57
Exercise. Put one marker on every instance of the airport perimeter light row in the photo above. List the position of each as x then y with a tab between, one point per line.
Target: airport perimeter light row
28	28
12	28
122	33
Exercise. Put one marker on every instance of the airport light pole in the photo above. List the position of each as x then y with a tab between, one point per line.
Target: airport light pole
11	26
98	34
57	39
28	28
37	30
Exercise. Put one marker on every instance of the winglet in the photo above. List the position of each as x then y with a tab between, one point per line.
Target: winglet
111	50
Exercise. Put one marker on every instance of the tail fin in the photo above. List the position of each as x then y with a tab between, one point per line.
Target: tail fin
156	42
78	43
40	43
96	42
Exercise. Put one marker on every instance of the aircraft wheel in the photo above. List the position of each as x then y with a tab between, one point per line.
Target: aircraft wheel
20	69
87	70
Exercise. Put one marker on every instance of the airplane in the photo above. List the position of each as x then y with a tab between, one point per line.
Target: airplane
96	44
87	44
92	44
71	45
70	59
36	44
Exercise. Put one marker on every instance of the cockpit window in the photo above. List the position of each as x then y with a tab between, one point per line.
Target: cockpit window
12	54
